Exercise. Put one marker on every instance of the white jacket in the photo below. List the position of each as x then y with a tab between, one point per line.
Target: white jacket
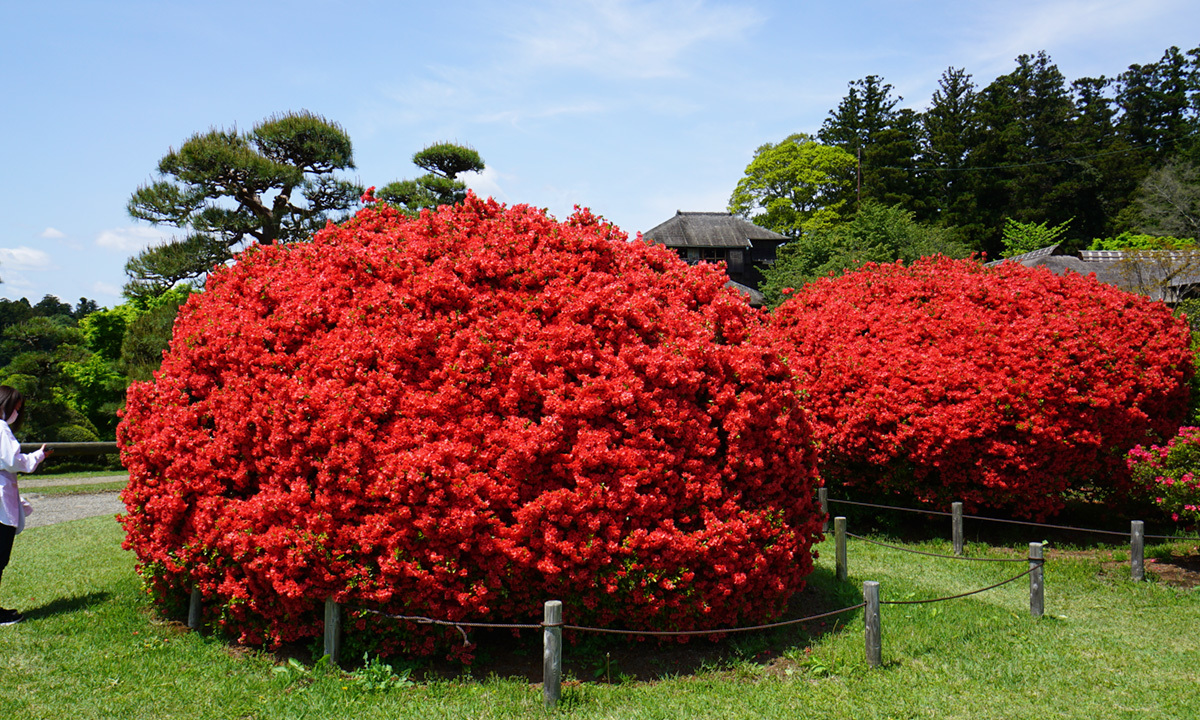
13	461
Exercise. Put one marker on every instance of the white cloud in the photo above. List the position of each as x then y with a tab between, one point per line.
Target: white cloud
569	60
515	117
487	183
622	38
52	234
1027	27
131	239
24	258
103	289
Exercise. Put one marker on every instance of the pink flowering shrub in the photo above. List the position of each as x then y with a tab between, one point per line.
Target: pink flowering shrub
1005	387
1171	474
461	416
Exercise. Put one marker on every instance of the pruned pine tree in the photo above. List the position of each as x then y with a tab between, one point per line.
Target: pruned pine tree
440	185
225	190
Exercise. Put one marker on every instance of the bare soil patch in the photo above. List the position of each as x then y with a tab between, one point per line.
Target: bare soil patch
1182	572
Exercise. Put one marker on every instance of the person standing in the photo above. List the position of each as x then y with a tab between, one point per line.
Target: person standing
13	509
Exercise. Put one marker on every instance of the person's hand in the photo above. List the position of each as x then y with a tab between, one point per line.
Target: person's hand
46	453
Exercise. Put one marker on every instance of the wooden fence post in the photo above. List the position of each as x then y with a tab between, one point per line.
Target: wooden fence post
1137	549
1037	601
552	653
956	522
839	534
194	610
823	498
333	630
873	635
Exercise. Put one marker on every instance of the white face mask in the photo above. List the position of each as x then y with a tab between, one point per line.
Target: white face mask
12	419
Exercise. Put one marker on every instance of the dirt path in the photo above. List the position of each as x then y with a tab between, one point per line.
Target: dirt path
51	509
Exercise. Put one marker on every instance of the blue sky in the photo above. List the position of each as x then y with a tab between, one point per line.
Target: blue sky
635	109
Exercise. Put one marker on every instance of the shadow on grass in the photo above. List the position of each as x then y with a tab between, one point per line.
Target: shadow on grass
589	657
62	606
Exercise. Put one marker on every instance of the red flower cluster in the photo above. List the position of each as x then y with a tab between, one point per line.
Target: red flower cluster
461	416
1002	387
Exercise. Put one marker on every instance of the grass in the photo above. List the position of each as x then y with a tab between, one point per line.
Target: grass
70	480
1107	648
68	475
74	489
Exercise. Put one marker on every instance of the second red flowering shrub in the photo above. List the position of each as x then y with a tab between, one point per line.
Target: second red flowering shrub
461	416
1003	387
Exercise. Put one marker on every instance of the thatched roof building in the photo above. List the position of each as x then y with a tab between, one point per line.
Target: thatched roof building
745	248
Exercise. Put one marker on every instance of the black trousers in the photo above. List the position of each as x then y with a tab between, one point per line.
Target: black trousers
7	534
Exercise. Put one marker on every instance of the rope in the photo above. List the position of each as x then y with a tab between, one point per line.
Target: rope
929	554
888	507
1010	522
717	631
659	633
670	633
446	623
1046	525
450	623
1040	563
1173	537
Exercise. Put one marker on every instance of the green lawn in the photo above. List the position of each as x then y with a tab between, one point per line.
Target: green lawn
74	489
71	475
71	483
1107	648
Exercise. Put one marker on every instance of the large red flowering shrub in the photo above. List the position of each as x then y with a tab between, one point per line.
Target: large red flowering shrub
1003	387
461	416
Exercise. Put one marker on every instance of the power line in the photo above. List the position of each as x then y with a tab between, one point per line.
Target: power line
1019	165
1040	163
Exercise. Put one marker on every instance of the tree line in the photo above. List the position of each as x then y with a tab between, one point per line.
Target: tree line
1098	155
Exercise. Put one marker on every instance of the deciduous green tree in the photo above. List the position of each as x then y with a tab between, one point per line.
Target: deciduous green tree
149	332
1168	201
1020	238
795	186
878	233
34	354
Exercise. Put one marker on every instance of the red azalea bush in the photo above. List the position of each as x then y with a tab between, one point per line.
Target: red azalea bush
1004	387
461	416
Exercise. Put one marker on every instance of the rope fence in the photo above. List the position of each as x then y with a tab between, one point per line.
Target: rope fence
888	507
610	631
929	554
1136	534
969	593
1026	523
724	631
553	623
